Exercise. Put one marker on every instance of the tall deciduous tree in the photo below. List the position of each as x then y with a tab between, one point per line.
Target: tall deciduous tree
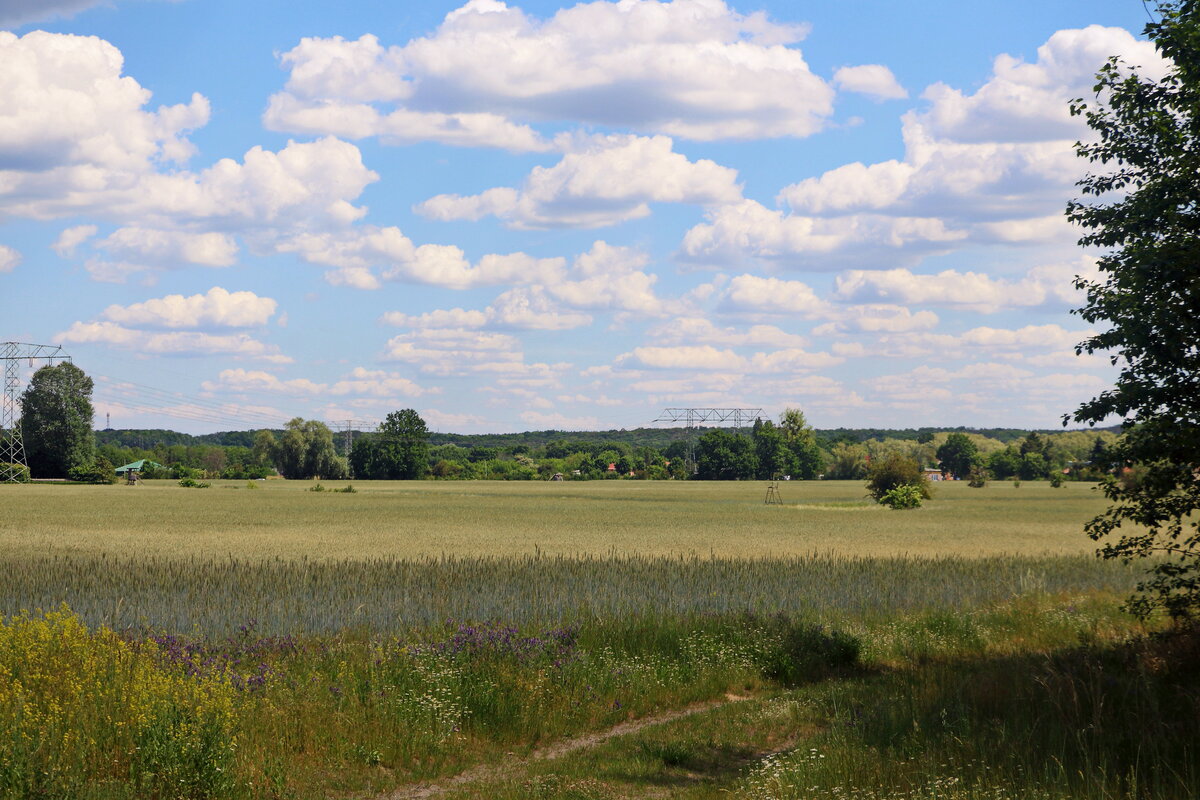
801	440
56	421
724	456
401	448
958	455
306	451
1143	212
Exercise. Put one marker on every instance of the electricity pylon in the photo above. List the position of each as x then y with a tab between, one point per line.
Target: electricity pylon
12	447
692	417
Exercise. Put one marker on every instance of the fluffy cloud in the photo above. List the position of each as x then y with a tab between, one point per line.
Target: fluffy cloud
748	231
707	357
358	382
218	308
876	318
688	68
70	239
758	295
74	124
179	343
454	351
982	388
9	258
700	331
1024	344
1044	285
521	308
608	277
358	252
874	80
169	248
76	139
602	180
990	167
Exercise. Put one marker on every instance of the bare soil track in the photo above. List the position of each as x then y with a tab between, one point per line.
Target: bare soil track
550	752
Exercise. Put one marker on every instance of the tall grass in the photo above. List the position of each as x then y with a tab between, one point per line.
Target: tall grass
216	596
1099	721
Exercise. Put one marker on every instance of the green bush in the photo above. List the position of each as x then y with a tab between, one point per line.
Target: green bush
893	470
902	497
18	473
99	471
192	483
978	478
805	652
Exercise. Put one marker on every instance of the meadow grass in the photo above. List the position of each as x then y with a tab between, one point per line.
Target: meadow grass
353	643
430	518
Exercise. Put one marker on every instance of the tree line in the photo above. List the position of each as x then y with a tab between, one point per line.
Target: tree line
60	442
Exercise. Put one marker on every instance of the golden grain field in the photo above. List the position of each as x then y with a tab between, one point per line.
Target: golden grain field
427	518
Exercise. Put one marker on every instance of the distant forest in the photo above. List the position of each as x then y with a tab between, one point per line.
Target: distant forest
658	438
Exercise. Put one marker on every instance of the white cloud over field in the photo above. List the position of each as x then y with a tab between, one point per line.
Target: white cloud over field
695	69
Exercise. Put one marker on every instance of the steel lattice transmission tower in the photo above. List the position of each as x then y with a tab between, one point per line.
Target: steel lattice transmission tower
692	417
12	448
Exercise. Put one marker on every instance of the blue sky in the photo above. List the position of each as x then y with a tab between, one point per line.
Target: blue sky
537	215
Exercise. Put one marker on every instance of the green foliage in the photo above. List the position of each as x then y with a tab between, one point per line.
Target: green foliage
56	421
724	456
902	497
805	652
847	462
806	457
399	451
13	473
958	455
100	471
403	446
771	450
894	470
192	483
306	451
978	478
1146	304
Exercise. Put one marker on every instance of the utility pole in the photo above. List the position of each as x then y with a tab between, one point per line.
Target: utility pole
692	417
12	447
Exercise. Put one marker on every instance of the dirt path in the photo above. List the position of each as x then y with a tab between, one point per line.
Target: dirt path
557	750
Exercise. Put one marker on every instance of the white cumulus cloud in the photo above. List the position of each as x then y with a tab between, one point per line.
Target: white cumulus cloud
217	308
9	258
689	68
874	80
602	180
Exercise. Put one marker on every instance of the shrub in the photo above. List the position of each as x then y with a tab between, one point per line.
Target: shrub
978	477
100	471
895	469
806	652
18	473
192	483
902	497
1056	480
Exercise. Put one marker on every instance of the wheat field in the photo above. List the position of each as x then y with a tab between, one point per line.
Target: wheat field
281	519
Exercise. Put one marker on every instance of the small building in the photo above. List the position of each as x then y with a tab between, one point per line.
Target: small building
138	466
935	474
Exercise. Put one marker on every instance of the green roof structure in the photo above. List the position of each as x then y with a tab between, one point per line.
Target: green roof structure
138	466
